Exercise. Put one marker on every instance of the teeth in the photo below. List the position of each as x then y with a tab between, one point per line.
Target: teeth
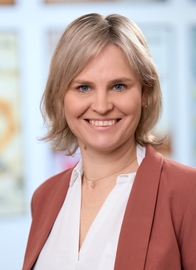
102	123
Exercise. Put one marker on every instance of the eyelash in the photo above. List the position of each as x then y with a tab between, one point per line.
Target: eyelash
82	90
122	86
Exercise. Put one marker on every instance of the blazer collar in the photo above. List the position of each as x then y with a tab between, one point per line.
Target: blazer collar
138	218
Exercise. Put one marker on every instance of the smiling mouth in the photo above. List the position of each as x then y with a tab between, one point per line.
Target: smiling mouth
97	123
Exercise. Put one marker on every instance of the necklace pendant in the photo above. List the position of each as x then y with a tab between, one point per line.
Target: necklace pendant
93	184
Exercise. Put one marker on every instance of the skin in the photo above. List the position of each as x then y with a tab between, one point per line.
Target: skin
103	106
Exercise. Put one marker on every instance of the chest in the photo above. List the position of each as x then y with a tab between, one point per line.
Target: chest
92	201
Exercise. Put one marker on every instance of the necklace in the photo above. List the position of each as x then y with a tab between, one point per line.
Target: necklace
93	182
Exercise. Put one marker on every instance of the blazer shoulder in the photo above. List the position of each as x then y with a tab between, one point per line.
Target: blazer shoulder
178	178
55	180
52	186
179	170
173	174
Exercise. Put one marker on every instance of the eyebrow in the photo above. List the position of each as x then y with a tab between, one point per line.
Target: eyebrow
115	81
121	80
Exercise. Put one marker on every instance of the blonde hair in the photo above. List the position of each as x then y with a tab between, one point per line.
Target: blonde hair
81	42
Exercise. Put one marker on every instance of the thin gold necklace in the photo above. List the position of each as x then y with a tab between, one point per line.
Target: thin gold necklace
93	182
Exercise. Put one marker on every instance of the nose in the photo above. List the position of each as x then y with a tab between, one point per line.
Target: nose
102	102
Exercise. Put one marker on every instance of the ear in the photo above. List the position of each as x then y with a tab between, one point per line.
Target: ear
144	97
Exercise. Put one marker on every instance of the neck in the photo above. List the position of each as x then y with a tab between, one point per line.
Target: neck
98	165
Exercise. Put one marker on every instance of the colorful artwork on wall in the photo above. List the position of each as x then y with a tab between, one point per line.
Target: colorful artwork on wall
7	2
11	175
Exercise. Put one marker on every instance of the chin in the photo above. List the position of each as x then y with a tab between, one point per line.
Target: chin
105	147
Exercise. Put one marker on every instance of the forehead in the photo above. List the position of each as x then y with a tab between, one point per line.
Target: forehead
110	62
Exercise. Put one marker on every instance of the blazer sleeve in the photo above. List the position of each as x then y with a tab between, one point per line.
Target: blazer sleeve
188	234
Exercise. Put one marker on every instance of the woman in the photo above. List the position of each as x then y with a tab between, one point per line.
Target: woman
124	206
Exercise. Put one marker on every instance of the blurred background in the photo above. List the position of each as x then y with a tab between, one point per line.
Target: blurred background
29	32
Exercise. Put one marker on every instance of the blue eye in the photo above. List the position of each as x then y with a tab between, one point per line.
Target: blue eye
84	88
118	87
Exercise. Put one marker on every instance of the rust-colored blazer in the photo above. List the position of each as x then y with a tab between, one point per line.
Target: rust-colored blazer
159	227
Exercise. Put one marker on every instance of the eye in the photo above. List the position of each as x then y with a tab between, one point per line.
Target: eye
119	87
84	88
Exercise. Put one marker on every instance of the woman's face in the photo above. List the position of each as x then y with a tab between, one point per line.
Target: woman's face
103	102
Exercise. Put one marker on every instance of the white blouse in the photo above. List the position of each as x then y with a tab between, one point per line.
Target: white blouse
98	250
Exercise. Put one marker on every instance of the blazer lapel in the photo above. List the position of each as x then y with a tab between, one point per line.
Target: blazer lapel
138	218
43	218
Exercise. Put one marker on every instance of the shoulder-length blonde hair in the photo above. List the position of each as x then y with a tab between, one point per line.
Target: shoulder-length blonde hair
82	41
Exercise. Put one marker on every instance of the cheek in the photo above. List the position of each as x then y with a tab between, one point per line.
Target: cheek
131	107
133	112
68	112
70	116
69	106
73	107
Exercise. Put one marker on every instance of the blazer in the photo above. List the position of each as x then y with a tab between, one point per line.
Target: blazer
159	226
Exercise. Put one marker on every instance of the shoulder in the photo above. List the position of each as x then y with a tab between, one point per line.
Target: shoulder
178	181
178	168
179	172
55	180
174	176
52	187
170	167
